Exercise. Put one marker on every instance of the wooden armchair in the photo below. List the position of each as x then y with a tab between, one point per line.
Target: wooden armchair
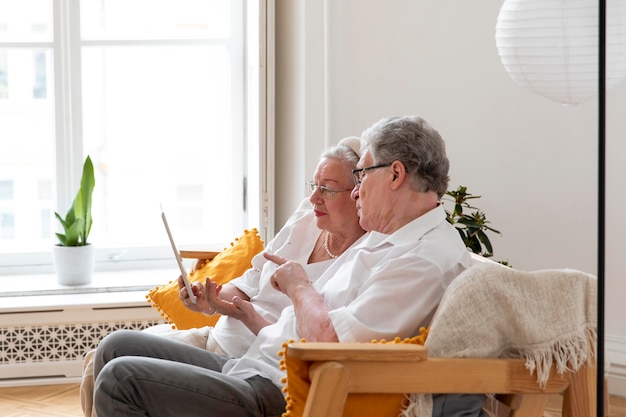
521	335
338	369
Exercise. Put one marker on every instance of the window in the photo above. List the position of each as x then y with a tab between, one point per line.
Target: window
155	93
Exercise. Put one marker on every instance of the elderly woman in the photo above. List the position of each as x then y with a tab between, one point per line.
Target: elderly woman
312	237
389	284
320	230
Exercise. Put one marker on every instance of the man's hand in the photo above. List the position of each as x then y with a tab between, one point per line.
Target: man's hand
312	312
288	276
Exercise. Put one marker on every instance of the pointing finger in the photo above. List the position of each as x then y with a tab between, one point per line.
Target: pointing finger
274	258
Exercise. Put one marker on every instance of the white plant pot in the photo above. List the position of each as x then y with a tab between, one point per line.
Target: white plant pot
73	264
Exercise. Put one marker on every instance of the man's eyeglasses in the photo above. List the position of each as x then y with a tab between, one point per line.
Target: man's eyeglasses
358	174
326	192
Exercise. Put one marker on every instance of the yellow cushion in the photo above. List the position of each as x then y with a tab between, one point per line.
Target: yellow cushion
231	263
357	405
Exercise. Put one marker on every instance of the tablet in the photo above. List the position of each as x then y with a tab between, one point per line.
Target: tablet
183	271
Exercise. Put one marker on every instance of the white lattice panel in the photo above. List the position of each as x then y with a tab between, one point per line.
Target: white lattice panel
44	339
57	342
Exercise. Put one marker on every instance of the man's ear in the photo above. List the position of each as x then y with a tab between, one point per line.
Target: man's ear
399	174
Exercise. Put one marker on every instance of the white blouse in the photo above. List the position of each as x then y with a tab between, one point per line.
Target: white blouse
294	241
383	287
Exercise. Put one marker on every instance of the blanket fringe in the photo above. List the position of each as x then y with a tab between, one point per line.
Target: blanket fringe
417	405
568	355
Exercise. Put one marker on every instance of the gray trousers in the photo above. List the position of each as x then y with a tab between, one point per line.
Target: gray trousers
139	374
459	405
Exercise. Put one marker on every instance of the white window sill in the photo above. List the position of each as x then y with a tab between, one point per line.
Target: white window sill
108	288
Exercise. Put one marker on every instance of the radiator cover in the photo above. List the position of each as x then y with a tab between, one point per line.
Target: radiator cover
57	342
46	343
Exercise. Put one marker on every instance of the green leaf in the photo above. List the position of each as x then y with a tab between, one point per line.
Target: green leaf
87	184
78	221
493	230
72	234
62	239
474	244
61	220
484	239
462	234
469	222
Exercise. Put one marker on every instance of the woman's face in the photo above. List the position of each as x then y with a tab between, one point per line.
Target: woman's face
335	212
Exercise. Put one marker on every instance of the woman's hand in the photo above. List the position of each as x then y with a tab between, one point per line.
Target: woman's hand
212	299
237	307
202	304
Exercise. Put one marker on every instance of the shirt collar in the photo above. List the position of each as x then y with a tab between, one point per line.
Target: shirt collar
410	232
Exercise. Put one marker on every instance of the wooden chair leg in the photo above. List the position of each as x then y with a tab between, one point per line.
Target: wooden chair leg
498	406
607	408
329	384
528	405
579	399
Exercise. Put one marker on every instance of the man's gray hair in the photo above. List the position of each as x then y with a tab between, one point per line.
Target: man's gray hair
414	142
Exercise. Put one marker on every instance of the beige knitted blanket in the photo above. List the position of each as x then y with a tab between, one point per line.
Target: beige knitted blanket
492	311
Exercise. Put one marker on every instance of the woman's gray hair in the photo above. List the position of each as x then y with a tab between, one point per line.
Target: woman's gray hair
346	151
414	142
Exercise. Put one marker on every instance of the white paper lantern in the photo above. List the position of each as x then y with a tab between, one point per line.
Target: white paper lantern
551	46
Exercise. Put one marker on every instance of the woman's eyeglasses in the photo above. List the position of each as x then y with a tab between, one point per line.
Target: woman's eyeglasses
358	174
326	192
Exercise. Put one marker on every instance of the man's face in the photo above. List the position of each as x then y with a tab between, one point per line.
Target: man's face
370	195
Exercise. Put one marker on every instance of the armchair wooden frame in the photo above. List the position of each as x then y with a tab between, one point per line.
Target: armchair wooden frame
338	369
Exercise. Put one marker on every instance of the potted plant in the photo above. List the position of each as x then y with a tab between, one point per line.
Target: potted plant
74	256
471	226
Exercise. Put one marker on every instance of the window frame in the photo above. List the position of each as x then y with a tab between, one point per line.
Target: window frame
258	130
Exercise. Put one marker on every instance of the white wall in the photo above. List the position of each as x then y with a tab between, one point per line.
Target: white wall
348	63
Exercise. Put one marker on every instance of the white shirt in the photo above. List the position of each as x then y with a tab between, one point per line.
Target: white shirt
295	241
386	286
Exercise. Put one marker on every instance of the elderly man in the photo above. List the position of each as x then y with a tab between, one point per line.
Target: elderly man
389	285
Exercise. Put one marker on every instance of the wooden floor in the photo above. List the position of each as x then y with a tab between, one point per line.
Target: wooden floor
617	407
64	401
39	401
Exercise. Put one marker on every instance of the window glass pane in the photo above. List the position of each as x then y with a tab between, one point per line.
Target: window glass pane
25	20
191	192
156	120
154	92
45	190
27	142
45	204
46	223
190	219
41	70
7	225
6	190
4	79
155	19
24	75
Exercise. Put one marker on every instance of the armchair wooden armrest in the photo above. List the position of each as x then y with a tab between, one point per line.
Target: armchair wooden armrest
199	254
338	369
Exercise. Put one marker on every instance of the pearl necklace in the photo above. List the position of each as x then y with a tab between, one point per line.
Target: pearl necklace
332	255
